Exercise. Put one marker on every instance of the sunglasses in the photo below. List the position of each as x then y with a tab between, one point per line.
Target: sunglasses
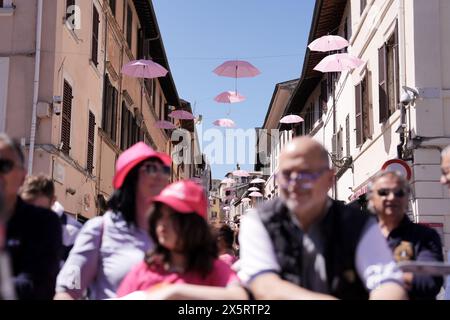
151	168
304	178
397	194
6	166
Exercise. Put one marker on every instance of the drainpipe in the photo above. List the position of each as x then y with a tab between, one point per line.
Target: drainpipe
36	85
402	50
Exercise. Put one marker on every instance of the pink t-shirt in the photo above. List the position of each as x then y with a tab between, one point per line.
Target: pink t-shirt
141	277
228	258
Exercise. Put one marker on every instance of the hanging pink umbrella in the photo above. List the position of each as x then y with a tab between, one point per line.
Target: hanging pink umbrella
163	124
240	173
338	62
228	181
292	118
229	97
236	69
253	189
181	115
256	194
226	123
328	43
144	69
258	180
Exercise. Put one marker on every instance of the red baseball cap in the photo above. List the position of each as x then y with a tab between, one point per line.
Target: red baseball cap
132	157
184	196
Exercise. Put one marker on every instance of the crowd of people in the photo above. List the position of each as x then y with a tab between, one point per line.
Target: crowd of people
154	242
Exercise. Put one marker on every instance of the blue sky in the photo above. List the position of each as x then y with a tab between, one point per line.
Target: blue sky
199	35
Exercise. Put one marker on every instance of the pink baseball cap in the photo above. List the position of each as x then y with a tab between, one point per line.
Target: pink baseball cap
132	157
184	196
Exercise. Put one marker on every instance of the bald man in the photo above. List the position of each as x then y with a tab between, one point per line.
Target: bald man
304	245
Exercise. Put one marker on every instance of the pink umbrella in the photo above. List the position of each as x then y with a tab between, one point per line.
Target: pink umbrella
253	189
256	194
338	62
258	180
163	124
236	69
292	118
226	123
181	115
328	43
240	173
227	181
144	69
229	97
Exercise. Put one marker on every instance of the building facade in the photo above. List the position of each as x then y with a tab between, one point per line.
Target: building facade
63	95
395	106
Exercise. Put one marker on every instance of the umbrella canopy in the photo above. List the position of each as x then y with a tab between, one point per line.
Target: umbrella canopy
253	189
256	194
229	97
144	69
163	124
338	62
292	118
226	123
182	115
236	69
258	180
240	173
228	180
246	200
328	43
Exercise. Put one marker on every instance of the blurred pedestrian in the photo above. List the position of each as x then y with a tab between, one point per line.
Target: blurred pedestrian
225	243
185	251
39	190
33	234
305	245
108	246
445	167
388	198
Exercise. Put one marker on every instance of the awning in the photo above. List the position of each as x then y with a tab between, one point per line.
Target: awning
358	193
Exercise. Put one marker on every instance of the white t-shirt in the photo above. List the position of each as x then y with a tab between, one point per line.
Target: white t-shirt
373	259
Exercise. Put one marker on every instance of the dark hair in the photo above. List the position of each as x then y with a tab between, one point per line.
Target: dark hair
14	144
123	200
38	185
227	234
195	240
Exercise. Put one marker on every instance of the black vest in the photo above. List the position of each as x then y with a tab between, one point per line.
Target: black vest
341	229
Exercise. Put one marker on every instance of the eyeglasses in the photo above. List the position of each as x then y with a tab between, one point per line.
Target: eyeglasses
152	168
304	178
6	166
386	192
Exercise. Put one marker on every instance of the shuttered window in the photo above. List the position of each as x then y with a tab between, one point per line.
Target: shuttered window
90	149
95	25
388	77
130	131
358	116
140	45
129	25
347	136
109	118
66	117
323	95
112	5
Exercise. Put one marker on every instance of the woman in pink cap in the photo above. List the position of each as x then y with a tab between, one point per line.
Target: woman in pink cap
109	246
185	250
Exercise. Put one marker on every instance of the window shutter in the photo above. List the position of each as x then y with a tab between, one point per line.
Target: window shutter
129	25
95	25
66	117
323	95
358	116
347	136
382	85
124	128
91	137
